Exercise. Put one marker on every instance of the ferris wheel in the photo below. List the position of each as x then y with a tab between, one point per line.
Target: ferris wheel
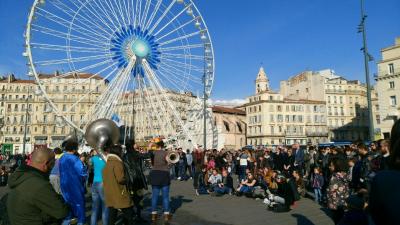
147	52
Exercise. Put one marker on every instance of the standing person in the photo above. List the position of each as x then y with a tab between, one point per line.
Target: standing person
136	180
116	195
338	190
72	181
317	184
244	159
32	200
189	160
384	197
98	202
198	163
3	176
385	151
182	164
298	158
160	181
55	172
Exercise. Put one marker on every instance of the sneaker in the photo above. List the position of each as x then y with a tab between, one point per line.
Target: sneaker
179	178
197	192
191	178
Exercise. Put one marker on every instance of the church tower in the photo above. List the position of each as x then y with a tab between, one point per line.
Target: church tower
262	82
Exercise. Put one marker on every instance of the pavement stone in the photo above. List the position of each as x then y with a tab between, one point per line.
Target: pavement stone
189	209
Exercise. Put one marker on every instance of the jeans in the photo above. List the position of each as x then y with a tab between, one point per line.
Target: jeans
97	202
165	198
182	171
246	189
318	195
242	173
222	190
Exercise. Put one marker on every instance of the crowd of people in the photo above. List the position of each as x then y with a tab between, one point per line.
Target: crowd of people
357	183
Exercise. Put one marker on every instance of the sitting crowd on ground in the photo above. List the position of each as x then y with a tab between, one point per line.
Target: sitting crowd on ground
358	183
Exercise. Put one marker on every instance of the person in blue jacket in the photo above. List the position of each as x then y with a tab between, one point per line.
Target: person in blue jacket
72	182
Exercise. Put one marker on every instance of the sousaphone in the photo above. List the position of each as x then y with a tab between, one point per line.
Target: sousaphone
101	134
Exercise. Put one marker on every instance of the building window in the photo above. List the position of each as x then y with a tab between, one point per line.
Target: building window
64	107
341	100
378	119
393	101
272	130
329	99
391	68
391	84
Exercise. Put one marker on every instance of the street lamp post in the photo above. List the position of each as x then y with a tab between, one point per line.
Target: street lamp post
205	100
367	59
26	121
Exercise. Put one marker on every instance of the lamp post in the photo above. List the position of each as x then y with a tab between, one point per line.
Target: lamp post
205	100
26	121
367	59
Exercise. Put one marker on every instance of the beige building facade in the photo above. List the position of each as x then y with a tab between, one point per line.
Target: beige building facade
22	99
346	101
273	119
231	126
388	89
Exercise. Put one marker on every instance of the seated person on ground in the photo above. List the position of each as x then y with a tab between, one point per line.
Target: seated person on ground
226	186
283	195
247	186
214	179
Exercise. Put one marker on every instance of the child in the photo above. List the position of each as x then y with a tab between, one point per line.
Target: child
317	184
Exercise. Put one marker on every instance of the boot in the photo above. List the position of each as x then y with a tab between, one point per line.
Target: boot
154	218
167	218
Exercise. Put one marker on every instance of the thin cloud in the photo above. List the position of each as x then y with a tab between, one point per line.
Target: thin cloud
228	102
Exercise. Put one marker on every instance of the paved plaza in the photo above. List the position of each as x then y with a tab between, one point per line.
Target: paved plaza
190	209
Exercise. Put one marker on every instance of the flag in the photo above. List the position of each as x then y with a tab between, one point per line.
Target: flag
117	120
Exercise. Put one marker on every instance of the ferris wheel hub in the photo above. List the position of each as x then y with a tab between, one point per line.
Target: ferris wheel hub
140	48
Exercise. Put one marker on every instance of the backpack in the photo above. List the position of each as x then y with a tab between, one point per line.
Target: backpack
4	220
132	175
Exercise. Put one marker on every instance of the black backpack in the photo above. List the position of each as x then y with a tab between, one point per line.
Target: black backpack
133	175
3	211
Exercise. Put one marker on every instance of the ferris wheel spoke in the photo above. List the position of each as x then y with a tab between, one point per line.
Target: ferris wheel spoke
162	17
113	12
182	56
177	84
177	29
102	9
153	14
94	13
173	19
64	8
150	74
121	12
178	72
91	91
63	22
180	47
86	68
180	38
145	13
67	36
69	60
52	47
183	65
138	11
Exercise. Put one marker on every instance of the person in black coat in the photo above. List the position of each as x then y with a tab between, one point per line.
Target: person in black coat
384	196
135	160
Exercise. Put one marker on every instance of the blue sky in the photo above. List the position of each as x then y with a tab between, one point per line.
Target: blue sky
286	36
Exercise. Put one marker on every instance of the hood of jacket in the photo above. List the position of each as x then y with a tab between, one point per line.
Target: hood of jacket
23	173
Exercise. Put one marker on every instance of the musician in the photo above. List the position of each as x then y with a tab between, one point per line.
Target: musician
160	180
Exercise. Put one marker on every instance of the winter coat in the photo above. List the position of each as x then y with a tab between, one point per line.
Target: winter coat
317	181
115	192
32	200
134	161
338	191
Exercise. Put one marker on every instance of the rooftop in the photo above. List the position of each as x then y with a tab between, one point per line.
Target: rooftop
221	109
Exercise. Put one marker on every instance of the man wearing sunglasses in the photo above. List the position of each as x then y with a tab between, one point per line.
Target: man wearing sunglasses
32	200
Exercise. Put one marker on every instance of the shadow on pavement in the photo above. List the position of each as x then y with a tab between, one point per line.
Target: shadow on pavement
302	220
